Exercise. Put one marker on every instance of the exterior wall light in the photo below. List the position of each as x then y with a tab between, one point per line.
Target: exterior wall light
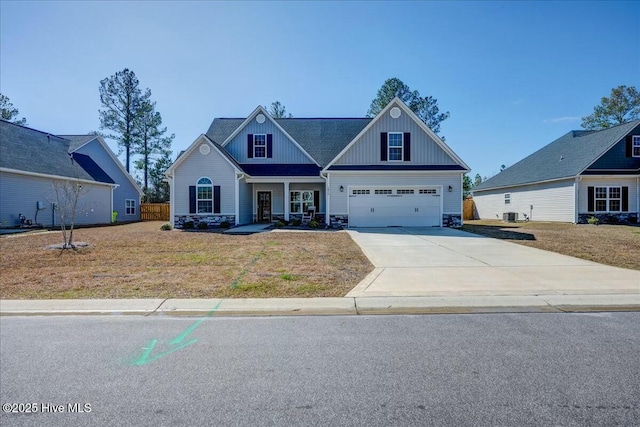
450	189
342	189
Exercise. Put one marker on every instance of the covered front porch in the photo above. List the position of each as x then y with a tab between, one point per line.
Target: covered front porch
293	198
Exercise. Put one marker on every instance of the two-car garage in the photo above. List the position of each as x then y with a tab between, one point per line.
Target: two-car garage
388	206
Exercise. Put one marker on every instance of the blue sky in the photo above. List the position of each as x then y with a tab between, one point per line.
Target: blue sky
514	75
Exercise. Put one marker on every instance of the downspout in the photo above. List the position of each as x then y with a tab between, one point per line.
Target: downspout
576	201
239	177
462	199
327	196
638	199
172	199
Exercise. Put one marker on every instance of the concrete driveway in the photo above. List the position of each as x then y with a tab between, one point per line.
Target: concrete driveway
448	262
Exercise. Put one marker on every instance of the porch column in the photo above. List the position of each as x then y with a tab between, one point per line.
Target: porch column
286	201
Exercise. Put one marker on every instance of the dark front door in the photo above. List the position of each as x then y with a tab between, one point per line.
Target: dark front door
264	206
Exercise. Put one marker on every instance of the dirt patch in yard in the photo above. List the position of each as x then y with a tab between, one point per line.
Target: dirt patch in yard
616	245
141	261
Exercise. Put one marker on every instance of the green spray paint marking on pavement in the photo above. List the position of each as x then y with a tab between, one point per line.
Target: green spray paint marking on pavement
174	345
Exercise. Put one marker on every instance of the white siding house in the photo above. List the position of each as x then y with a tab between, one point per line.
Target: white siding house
582	174
285	169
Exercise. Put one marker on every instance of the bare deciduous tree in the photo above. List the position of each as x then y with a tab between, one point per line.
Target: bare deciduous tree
67	195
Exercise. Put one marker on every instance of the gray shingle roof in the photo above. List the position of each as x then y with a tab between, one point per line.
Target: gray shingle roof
322	138
565	157
76	141
30	150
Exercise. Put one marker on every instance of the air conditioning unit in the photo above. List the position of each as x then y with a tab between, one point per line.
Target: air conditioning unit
510	216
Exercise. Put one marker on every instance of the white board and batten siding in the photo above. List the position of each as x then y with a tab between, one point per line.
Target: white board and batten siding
424	150
551	201
21	193
284	150
587	182
213	166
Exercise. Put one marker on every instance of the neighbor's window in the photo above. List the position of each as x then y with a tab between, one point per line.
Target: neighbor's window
395	146
507	198
204	195
130	207
608	199
301	201
635	146
260	145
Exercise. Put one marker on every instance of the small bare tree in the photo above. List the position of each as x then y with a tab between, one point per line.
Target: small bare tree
67	196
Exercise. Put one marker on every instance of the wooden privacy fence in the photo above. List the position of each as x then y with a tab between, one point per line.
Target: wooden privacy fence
468	209
154	211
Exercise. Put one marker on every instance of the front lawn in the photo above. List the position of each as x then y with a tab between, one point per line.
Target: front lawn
140	261
617	245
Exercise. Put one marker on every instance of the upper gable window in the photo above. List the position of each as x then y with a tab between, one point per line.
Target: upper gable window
507	198
395	146
260	145
635	146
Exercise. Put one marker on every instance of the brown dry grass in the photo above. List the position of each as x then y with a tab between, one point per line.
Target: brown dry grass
140	261
617	245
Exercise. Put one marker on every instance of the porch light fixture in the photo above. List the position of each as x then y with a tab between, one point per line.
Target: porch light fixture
342	189
450	189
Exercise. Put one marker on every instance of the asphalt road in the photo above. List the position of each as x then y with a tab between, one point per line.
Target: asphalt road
462	370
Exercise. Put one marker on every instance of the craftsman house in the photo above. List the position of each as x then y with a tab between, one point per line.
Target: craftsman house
391	170
580	175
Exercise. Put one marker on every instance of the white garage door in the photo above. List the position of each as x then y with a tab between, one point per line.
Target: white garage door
409	206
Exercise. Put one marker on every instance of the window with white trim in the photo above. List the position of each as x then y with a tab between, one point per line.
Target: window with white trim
130	207
395	146
204	195
428	191
360	191
301	201
385	191
608	199
635	146
507	198
403	191
260	145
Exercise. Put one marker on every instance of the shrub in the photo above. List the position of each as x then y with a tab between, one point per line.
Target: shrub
313	224
593	220
279	224
188	225
166	227
203	226
285	222
296	222
225	224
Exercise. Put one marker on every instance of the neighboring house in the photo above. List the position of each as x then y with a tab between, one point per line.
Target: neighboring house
580	175
31	161
391	170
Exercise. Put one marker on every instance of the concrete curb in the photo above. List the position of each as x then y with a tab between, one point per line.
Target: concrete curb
325	306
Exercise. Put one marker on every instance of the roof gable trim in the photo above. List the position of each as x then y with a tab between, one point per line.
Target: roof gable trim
260	110
397	101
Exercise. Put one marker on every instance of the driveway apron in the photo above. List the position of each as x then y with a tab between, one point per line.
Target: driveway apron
449	262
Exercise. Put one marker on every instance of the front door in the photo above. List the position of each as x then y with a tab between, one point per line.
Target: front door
264	206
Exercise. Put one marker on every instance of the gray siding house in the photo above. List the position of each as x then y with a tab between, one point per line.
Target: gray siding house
391	170
580	175
31	162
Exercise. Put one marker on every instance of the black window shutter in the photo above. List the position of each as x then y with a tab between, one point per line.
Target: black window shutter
192	199
407	147
216	199
269	145
250	146
383	146
628	151
316	200
625	199
591	199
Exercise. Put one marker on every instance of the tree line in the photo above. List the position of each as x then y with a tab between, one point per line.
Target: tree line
128	115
